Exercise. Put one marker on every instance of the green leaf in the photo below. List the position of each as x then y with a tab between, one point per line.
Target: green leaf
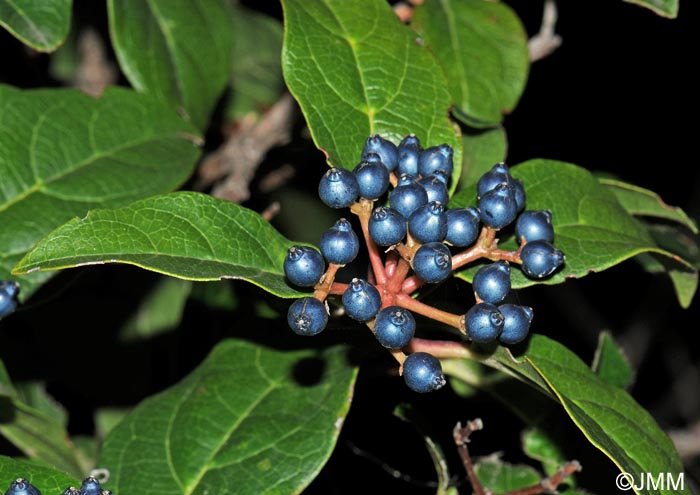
179	52
44	478
639	201
34	394
610	362
39	435
256	71
607	415
187	235
482	47
63	153
664	8
482	149
501	477
538	444
107	418
356	70
591	227
241	423
41	24
159	312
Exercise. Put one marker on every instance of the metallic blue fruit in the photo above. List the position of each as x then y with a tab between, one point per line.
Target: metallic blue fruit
540	259
387	151
338	188
428	223
492	282
90	486
394	327
422	372
361	300
339	244
462	226
386	226
303	266
372	178
433	262
499	174
407	196
409	153
22	487
519	192
71	490
8	297
436	158
497	207
484	323
307	316
516	324
534	225
436	189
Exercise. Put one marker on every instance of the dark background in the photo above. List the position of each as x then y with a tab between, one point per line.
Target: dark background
617	96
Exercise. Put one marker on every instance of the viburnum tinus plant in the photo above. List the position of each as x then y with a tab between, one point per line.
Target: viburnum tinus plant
328	166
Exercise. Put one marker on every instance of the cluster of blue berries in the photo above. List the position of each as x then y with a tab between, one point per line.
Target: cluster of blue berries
418	231
9	289
89	486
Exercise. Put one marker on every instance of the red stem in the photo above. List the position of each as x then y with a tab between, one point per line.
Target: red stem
441	349
453	320
363	209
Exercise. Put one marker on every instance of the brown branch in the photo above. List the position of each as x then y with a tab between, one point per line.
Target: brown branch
232	167
546	40
95	71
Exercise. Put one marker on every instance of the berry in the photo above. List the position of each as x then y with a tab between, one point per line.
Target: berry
361	300
22	487
436	158
497	207
307	316
540	259
499	174
428	223
534	225
387	151
519	194
409	153
387	226
90	486
462	226
8	293
407	196
492	282
303	266
516	323
433	262
339	244
394	327
484	322
423	372
338	188
372	178
71	490
436	189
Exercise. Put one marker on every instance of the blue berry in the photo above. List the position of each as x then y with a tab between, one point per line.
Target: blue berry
519	194
484	323
436	158
8	293
71	490
516	324
492	282
339	244
436	189
303	266
394	327
462	226
422	372
372	178
428	223
534	225
497	207
499	174
90	486
433	262
361	300
540	259
407	196
387	151
409	153
386	226
22	487
338	188
307	316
